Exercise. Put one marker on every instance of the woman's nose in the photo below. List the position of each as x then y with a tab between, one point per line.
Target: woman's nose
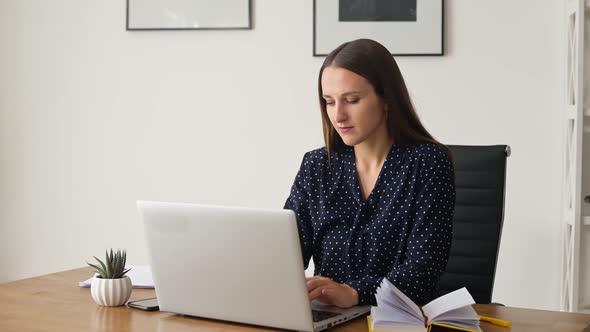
340	112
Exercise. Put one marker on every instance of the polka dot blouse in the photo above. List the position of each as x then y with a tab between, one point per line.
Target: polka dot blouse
402	231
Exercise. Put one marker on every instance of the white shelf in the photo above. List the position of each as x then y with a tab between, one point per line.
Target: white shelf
572	111
585	222
575	292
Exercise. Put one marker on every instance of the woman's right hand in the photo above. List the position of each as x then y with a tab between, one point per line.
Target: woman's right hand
330	292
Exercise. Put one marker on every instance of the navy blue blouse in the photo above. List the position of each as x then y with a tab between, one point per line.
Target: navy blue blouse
402	231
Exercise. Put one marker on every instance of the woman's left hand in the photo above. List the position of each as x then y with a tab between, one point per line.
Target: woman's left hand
328	291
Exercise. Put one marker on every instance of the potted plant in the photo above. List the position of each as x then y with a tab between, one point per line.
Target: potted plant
111	287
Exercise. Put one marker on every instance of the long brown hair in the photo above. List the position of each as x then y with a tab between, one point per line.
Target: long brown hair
373	61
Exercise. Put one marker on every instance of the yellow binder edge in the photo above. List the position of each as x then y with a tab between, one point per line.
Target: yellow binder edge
450	326
369	323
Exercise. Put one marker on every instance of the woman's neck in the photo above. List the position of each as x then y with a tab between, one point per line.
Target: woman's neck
371	153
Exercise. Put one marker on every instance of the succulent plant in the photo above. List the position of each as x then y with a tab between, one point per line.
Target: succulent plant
113	267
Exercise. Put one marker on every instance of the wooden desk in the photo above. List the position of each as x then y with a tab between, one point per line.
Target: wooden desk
54	302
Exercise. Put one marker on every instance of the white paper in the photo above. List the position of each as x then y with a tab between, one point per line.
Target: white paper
464	314
396	311
454	300
381	314
140	275
390	288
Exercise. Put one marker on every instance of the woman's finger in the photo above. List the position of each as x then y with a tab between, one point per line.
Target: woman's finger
315	283
316	278
316	294
327	295
327	291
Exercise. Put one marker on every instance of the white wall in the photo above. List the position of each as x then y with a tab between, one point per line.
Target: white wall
93	117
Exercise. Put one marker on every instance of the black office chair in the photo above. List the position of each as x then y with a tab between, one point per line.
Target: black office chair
480	177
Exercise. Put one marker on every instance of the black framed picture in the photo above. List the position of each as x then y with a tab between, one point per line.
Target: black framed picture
405	27
188	15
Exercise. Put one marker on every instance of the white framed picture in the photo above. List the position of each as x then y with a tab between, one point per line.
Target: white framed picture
405	27
188	14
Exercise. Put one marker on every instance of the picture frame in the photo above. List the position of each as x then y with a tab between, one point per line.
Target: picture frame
189	15
405	27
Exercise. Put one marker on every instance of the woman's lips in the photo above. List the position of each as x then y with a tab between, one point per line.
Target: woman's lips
345	130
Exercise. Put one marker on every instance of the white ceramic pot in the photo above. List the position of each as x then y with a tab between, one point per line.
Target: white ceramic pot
111	292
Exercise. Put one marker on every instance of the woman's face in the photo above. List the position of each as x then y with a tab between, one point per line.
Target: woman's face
355	110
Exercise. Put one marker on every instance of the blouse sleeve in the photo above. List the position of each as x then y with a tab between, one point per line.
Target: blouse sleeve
298	201
429	242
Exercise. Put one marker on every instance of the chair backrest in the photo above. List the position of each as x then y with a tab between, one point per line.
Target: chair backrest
480	177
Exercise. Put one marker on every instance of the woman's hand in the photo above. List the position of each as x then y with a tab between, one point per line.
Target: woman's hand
328	291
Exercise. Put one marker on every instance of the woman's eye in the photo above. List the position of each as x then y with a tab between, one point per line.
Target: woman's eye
352	101
329	102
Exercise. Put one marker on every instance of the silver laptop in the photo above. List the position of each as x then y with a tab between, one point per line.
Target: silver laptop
235	264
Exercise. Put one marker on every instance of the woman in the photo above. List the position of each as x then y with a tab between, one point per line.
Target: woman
378	200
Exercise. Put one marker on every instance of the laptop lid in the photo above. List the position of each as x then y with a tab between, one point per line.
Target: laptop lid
235	264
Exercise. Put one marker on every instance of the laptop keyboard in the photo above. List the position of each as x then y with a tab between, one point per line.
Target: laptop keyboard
321	315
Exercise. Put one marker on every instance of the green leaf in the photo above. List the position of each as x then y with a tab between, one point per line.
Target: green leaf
109	264
120	265
97	269
117	265
114	265
104	269
124	263
124	272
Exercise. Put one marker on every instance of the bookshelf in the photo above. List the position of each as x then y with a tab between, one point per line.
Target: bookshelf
575	267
